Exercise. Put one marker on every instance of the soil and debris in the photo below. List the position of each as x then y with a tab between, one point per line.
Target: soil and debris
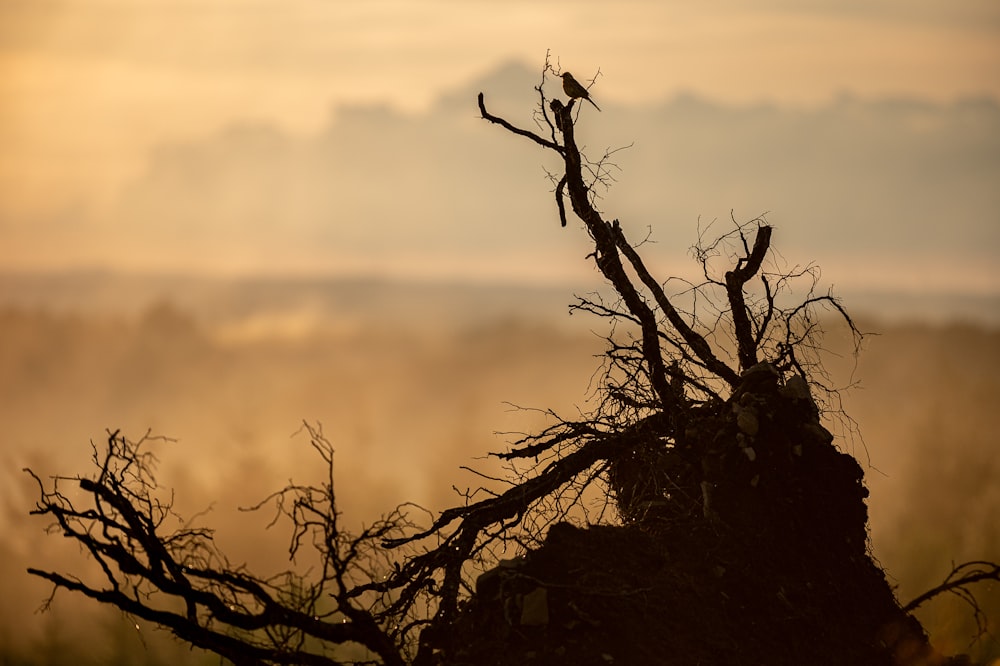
746	543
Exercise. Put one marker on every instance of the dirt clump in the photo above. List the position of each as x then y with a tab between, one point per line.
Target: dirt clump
745	543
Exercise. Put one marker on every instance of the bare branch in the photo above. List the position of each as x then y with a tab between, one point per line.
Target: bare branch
150	571
736	279
545	143
957	582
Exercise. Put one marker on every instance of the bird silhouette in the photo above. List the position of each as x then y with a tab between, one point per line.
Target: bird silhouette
573	88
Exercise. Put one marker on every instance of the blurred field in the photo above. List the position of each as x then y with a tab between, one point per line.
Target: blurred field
409	382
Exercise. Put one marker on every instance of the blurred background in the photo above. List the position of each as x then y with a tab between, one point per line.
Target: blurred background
220	218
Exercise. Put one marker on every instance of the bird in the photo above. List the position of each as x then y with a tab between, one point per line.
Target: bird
573	88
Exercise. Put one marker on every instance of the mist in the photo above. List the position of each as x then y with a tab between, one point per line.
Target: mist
410	382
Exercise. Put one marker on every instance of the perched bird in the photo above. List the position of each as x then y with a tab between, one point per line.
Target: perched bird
573	88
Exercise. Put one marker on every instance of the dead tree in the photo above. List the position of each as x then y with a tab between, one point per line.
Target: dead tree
709	415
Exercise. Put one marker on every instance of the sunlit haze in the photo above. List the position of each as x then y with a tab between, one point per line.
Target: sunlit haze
221	217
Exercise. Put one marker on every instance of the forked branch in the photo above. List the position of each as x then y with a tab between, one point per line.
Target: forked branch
958	582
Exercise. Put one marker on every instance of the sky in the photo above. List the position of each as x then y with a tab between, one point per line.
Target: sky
329	136
97	95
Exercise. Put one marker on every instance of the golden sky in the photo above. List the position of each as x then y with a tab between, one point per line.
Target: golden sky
88	88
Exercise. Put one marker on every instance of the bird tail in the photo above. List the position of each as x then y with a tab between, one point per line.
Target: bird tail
593	102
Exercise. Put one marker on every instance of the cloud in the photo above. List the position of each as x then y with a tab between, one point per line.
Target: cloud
904	184
89	86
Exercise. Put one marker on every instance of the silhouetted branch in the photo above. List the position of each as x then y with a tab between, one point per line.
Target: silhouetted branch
736	279
516	130
957	582
179	580
560	203
694	340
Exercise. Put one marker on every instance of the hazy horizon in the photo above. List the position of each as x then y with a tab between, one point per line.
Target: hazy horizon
326	299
